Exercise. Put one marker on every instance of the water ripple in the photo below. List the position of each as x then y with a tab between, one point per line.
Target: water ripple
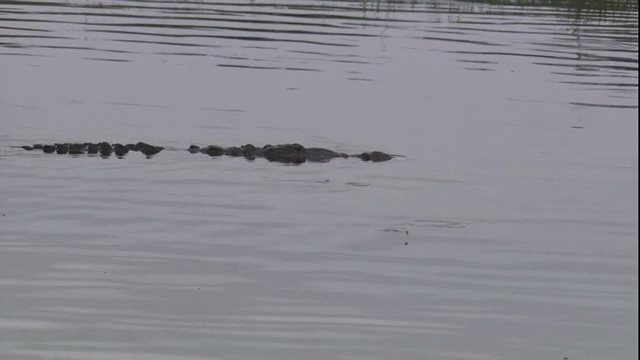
574	39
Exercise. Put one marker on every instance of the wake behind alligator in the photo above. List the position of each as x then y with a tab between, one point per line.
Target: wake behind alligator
283	153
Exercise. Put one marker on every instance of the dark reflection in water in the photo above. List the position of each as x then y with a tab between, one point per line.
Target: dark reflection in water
586	42
577	8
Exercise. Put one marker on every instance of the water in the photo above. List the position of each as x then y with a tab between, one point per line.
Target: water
508	231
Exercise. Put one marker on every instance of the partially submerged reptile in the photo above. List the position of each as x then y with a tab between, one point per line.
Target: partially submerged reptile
105	149
285	153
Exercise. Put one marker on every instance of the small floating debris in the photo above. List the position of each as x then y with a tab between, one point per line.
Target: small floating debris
397	230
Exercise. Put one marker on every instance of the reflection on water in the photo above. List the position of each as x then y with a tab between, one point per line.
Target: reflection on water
508	229
592	43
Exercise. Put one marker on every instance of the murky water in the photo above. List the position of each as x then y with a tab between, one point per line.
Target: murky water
508	231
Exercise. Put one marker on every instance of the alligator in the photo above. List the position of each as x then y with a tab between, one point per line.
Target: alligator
105	149
284	153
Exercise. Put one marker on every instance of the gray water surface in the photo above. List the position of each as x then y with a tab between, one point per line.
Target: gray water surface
509	229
